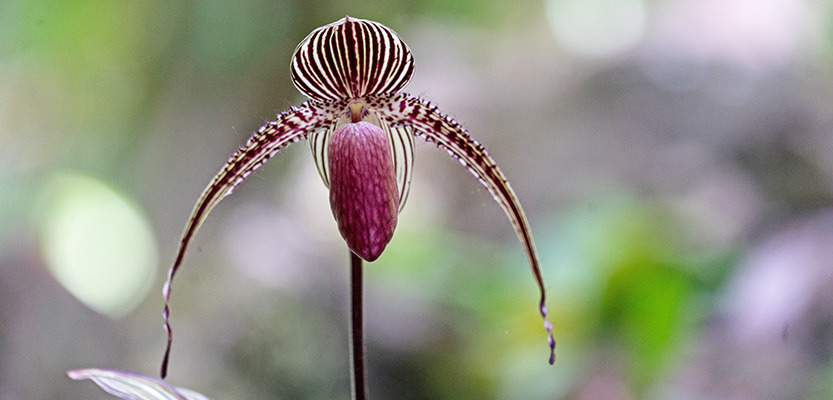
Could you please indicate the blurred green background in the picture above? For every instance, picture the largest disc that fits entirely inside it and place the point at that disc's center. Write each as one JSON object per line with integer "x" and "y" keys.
{"x": 675, "y": 159}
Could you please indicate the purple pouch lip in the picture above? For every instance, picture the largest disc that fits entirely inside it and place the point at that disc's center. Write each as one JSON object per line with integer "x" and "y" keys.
{"x": 364, "y": 196}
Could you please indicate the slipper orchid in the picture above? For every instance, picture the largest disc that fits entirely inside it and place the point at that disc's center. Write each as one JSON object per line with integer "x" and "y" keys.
{"x": 361, "y": 130}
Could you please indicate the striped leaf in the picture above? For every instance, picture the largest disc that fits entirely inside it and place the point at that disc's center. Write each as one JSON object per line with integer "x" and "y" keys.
{"x": 349, "y": 59}
{"x": 290, "y": 126}
{"x": 133, "y": 386}
{"x": 404, "y": 110}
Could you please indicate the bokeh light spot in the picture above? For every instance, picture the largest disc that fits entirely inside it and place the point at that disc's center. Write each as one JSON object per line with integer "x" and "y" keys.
{"x": 597, "y": 28}
{"x": 97, "y": 245}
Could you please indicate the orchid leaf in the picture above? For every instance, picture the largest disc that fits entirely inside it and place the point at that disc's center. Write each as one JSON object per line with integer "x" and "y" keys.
{"x": 133, "y": 386}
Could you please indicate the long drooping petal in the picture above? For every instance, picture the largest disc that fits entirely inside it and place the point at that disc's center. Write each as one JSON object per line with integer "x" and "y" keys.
{"x": 290, "y": 126}
{"x": 427, "y": 121}
{"x": 349, "y": 59}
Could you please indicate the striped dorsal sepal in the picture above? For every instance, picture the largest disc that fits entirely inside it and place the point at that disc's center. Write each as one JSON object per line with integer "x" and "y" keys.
{"x": 404, "y": 110}
{"x": 290, "y": 127}
{"x": 349, "y": 59}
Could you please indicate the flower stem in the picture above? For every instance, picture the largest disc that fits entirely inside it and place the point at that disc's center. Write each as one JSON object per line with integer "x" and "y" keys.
{"x": 357, "y": 361}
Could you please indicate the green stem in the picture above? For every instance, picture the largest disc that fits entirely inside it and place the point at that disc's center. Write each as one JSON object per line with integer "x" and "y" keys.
{"x": 357, "y": 361}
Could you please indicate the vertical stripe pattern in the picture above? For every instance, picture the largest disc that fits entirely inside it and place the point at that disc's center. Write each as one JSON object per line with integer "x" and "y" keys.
{"x": 318, "y": 144}
{"x": 402, "y": 150}
{"x": 349, "y": 59}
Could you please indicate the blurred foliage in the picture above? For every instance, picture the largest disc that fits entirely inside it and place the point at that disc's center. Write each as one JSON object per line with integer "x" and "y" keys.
{"x": 672, "y": 157}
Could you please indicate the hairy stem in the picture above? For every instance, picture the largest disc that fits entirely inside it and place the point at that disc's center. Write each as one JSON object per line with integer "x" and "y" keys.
{"x": 357, "y": 361}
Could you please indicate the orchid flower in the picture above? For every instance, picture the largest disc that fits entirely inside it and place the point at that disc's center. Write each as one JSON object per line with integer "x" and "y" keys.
{"x": 361, "y": 130}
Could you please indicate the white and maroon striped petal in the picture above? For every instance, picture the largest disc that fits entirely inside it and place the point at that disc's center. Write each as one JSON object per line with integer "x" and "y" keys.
{"x": 427, "y": 121}
{"x": 290, "y": 127}
{"x": 401, "y": 140}
{"x": 318, "y": 145}
{"x": 349, "y": 59}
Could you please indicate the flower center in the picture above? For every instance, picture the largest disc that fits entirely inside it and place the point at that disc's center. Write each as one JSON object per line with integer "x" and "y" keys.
{"x": 357, "y": 111}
